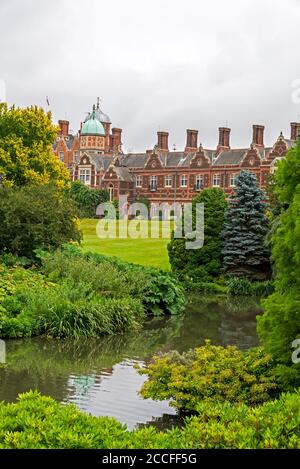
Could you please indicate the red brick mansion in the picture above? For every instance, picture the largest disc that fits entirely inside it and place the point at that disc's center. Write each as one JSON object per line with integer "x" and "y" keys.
{"x": 95, "y": 157}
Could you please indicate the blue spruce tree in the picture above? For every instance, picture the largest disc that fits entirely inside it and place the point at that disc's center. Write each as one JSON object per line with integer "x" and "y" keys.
{"x": 245, "y": 228}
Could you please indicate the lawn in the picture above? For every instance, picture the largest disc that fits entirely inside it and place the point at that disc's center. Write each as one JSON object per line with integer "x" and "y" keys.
{"x": 146, "y": 250}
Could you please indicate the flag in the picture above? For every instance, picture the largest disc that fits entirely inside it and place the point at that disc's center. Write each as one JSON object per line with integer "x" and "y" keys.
{"x": 47, "y": 101}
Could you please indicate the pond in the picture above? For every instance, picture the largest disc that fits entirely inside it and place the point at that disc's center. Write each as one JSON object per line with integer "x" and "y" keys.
{"x": 99, "y": 376}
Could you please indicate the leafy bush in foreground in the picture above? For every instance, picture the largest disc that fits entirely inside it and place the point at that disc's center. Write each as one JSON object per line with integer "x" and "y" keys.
{"x": 36, "y": 421}
{"x": 210, "y": 372}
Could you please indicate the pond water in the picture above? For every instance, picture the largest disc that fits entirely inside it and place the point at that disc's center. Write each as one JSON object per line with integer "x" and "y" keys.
{"x": 99, "y": 376}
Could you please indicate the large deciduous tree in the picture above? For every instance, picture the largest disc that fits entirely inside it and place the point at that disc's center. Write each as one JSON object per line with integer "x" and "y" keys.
{"x": 280, "y": 324}
{"x": 245, "y": 228}
{"x": 36, "y": 217}
{"x": 26, "y": 155}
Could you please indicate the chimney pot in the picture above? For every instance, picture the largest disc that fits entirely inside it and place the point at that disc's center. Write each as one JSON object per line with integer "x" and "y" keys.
{"x": 224, "y": 138}
{"x": 162, "y": 141}
{"x": 191, "y": 140}
{"x": 258, "y": 135}
{"x": 64, "y": 127}
{"x": 295, "y": 130}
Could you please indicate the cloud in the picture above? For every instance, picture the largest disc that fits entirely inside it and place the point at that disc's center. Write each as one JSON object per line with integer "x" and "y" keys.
{"x": 168, "y": 65}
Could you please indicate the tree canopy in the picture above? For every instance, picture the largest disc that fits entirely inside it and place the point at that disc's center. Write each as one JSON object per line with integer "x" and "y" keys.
{"x": 245, "y": 228}
{"x": 205, "y": 263}
{"x": 36, "y": 217}
{"x": 26, "y": 155}
{"x": 280, "y": 324}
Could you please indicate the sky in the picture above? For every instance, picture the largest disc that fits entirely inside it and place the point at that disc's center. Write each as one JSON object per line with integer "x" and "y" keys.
{"x": 157, "y": 65}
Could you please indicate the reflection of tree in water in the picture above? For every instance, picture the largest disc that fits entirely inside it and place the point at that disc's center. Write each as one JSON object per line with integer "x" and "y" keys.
{"x": 50, "y": 365}
{"x": 238, "y": 322}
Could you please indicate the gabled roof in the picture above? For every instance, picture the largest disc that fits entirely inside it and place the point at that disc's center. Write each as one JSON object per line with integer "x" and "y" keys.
{"x": 124, "y": 173}
{"x": 231, "y": 156}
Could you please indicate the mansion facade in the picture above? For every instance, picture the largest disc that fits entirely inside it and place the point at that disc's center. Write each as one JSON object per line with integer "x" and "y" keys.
{"x": 95, "y": 157}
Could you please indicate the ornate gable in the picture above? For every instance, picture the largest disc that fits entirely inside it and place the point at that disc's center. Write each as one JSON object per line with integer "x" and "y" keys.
{"x": 110, "y": 174}
{"x": 251, "y": 158}
{"x": 199, "y": 160}
{"x": 279, "y": 149}
{"x": 153, "y": 162}
{"x": 84, "y": 160}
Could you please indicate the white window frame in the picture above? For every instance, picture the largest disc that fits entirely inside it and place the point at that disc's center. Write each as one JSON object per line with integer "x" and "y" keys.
{"x": 153, "y": 182}
{"x": 62, "y": 156}
{"x": 138, "y": 181}
{"x": 183, "y": 180}
{"x": 199, "y": 181}
{"x": 168, "y": 181}
{"x": 232, "y": 181}
{"x": 217, "y": 177}
{"x": 85, "y": 175}
{"x": 111, "y": 192}
{"x": 76, "y": 156}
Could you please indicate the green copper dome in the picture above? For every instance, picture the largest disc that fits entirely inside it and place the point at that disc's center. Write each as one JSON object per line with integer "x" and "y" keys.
{"x": 92, "y": 126}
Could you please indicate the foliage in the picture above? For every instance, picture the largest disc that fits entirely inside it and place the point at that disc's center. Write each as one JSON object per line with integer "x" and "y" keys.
{"x": 36, "y": 421}
{"x": 35, "y": 217}
{"x": 201, "y": 265}
{"x": 143, "y": 199}
{"x": 210, "y": 372}
{"x": 83, "y": 295}
{"x": 64, "y": 312}
{"x": 280, "y": 324}
{"x": 26, "y": 155}
{"x": 243, "y": 286}
{"x": 245, "y": 228}
{"x": 87, "y": 199}
{"x": 159, "y": 292}
{"x": 205, "y": 287}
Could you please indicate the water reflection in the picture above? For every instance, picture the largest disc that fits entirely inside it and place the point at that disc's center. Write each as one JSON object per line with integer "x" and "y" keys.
{"x": 98, "y": 374}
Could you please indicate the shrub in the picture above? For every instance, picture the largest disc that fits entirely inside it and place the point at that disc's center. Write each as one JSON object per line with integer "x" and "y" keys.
{"x": 243, "y": 286}
{"x": 204, "y": 287}
{"x": 158, "y": 291}
{"x": 87, "y": 199}
{"x": 83, "y": 295}
{"x": 35, "y": 217}
{"x": 36, "y": 421}
{"x": 62, "y": 312}
{"x": 210, "y": 372}
{"x": 204, "y": 264}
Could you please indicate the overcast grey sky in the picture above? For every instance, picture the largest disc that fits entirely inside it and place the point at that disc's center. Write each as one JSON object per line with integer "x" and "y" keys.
{"x": 159, "y": 64}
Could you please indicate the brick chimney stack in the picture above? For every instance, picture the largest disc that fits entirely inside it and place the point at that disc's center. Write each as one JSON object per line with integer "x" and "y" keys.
{"x": 224, "y": 139}
{"x": 64, "y": 127}
{"x": 162, "y": 141}
{"x": 191, "y": 140}
{"x": 258, "y": 135}
{"x": 116, "y": 138}
{"x": 295, "y": 130}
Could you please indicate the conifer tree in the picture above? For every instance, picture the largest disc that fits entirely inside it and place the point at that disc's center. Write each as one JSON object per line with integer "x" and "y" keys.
{"x": 245, "y": 228}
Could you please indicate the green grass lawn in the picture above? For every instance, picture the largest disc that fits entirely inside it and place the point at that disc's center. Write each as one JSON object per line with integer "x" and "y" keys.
{"x": 148, "y": 251}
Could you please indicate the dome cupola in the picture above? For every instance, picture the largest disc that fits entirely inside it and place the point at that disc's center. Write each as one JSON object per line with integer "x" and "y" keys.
{"x": 92, "y": 125}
